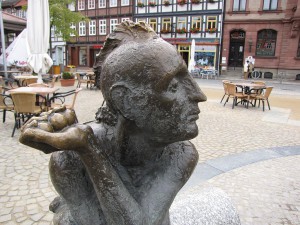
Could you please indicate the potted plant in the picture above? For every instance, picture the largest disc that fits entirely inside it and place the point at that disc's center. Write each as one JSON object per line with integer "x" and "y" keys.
{"x": 67, "y": 79}
{"x": 181, "y": 2}
{"x": 165, "y": 31}
{"x": 166, "y": 2}
{"x": 181, "y": 30}
{"x": 140, "y": 4}
{"x": 195, "y": 30}
{"x": 211, "y": 30}
{"x": 211, "y": 1}
{"x": 195, "y": 1}
{"x": 152, "y": 4}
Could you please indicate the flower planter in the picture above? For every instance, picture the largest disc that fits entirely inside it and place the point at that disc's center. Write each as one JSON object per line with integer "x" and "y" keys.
{"x": 67, "y": 82}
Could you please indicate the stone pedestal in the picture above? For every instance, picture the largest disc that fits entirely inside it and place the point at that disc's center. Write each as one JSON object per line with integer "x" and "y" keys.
{"x": 209, "y": 205}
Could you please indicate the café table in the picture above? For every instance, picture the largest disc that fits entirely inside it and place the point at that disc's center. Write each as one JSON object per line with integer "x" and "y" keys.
{"x": 250, "y": 89}
{"x": 45, "y": 91}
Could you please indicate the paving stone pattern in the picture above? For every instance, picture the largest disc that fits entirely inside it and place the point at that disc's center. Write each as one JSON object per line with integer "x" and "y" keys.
{"x": 264, "y": 193}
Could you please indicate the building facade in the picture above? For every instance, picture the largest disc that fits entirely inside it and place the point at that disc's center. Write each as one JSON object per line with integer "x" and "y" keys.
{"x": 267, "y": 30}
{"x": 178, "y": 22}
{"x": 103, "y": 17}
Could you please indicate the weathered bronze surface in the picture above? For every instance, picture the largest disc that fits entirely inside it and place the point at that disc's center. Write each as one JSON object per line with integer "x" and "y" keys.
{"x": 126, "y": 167}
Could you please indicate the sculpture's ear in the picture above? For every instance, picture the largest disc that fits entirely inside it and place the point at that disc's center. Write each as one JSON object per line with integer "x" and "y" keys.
{"x": 121, "y": 99}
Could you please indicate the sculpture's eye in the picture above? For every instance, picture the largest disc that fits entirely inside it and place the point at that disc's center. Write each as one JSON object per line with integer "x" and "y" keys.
{"x": 173, "y": 86}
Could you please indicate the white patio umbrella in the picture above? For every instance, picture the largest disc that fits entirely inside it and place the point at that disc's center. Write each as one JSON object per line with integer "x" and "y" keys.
{"x": 38, "y": 31}
{"x": 192, "y": 59}
{"x": 18, "y": 51}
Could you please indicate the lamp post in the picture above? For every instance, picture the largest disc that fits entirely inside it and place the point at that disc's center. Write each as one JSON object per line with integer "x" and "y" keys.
{"x": 3, "y": 40}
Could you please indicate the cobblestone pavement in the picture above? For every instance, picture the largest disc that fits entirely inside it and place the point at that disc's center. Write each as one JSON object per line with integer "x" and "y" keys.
{"x": 264, "y": 193}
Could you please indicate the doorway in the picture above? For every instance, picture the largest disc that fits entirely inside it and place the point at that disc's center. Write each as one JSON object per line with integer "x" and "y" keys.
{"x": 236, "y": 49}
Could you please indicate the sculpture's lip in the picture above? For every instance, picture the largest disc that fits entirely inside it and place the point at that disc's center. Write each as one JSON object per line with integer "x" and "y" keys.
{"x": 193, "y": 117}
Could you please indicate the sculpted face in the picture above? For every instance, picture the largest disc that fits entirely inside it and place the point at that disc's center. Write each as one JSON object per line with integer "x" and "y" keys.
{"x": 164, "y": 101}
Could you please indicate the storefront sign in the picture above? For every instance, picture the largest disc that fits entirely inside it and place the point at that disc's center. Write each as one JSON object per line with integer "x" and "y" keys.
{"x": 97, "y": 46}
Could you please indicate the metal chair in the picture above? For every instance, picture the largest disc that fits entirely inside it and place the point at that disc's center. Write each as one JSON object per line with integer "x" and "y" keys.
{"x": 232, "y": 93}
{"x": 26, "y": 105}
{"x": 225, "y": 89}
{"x": 264, "y": 97}
{"x": 6, "y": 103}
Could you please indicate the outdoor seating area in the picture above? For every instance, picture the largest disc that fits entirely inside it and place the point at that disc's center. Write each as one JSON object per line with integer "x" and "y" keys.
{"x": 33, "y": 99}
{"x": 205, "y": 73}
{"x": 247, "y": 93}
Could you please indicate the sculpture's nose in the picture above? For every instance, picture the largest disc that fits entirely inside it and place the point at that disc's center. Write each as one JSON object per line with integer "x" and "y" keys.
{"x": 196, "y": 94}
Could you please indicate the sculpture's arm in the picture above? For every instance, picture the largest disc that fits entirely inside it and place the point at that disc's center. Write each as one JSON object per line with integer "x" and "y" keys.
{"x": 119, "y": 207}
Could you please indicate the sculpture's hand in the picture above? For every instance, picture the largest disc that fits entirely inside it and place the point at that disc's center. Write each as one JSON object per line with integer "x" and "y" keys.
{"x": 56, "y": 130}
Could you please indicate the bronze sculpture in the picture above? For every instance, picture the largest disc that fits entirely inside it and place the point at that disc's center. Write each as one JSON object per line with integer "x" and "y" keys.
{"x": 127, "y": 167}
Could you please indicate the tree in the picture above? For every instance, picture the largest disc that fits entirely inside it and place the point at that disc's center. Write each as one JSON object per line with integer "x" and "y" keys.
{"x": 61, "y": 18}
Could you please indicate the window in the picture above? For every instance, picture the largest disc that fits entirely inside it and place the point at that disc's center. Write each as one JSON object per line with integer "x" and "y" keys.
{"x": 211, "y": 22}
{"x": 153, "y": 23}
{"x": 21, "y": 13}
{"x": 181, "y": 23}
{"x": 102, "y": 27}
{"x": 73, "y": 27}
{"x": 266, "y": 42}
{"x": 196, "y": 23}
{"x": 81, "y": 4}
{"x": 141, "y": 20}
{"x": 92, "y": 27}
{"x": 125, "y": 19}
{"x": 102, "y": 3}
{"x": 82, "y": 31}
{"x": 125, "y": 2}
{"x": 239, "y": 5}
{"x": 270, "y": 4}
{"x": 91, "y": 4}
{"x": 82, "y": 56}
{"x": 113, "y": 23}
{"x": 166, "y": 24}
{"x": 113, "y": 3}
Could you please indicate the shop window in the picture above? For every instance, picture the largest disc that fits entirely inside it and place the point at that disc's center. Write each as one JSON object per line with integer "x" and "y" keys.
{"x": 298, "y": 51}
{"x": 73, "y": 27}
{"x": 196, "y": 23}
{"x": 113, "y": 3}
{"x": 239, "y": 5}
{"x": 82, "y": 56}
{"x": 102, "y": 27}
{"x": 91, "y": 4}
{"x": 82, "y": 30}
{"x": 270, "y": 4}
{"x": 92, "y": 27}
{"x": 125, "y": 2}
{"x": 102, "y": 3}
{"x": 266, "y": 42}
{"x": 153, "y": 23}
{"x": 205, "y": 56}
{"x": 113, "y": 24}
{"x": 81, "y": 4}
{"x": 211, "y": 22}
{"x": 166, "y": 25}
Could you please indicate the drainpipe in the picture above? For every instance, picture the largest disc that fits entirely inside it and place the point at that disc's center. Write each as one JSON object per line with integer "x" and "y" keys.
{"x": 221, "y": 37}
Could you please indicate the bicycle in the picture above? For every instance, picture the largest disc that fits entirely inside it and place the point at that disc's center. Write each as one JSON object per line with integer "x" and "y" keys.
{"x": 255, "y": 74}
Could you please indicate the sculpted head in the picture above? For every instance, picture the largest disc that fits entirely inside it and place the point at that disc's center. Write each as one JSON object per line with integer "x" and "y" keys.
{"x": 145, "y": 80}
